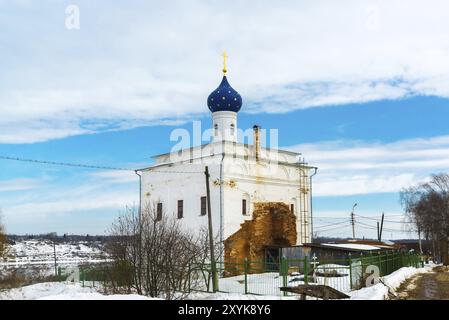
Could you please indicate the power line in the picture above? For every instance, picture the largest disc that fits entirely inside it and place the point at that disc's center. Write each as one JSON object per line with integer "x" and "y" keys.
{"x": 334, "y": 228}
{"x": 391, "y": 221}
{"x": 65, "y": 164}
{"x": 332, "y": 224}
{"x": 367, "y": 226}
{"x": 88, "y": 166}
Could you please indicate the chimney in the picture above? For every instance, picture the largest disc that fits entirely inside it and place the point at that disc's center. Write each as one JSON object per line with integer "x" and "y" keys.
{"x": 256, "y": 142}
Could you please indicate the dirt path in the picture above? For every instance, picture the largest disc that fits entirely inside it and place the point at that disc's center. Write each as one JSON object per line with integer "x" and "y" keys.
{"x": 426, "y": 286}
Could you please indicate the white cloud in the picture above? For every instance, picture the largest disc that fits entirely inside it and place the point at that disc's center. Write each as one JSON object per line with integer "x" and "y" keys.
{"x": 355, "y": 167}
{"x": 97, "y": 198}
{"x": 100, "y": 200}
{"x": 111, "y": 176}
{"x": 19, "y": 184}
{"x": 151, "y": 62}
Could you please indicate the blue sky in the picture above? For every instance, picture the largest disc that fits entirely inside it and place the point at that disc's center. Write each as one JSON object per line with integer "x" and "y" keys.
{"x": 361, "y": 88}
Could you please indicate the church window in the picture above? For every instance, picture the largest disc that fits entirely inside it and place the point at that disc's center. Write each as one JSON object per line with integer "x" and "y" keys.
{"x": 180, "y": 209}
{"x": 203, "y": 206}
{"x": 216, "y": 129}
{"x": 159, "y": 212}
{"x": 292, "y": 208}
{"x": 232, "y": 129}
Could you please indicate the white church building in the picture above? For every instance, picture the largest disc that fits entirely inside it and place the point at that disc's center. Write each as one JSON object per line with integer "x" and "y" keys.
{"x": 265, "y": 191}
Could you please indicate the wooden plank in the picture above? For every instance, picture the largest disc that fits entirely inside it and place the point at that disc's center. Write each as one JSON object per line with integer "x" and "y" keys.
{"x": 317, "y": 291}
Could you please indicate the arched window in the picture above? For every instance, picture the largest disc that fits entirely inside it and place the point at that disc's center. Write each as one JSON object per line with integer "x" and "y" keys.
{"x": 232, "y": 129}
{"x": 216, "y": 129}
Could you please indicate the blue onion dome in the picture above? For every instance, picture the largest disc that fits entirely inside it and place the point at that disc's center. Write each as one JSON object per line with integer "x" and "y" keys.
{"x": 224, "y": 98}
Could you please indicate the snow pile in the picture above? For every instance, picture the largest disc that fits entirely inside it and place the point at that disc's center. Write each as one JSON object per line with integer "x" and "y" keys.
{"x": 395, "y": 279}
{"x": 388, "y": 283}
{"x": 62, "y": 291}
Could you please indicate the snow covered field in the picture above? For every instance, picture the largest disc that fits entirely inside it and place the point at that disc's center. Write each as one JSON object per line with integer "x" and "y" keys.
{"x": 36, "y": 257}
{"x": 42, "y": 252}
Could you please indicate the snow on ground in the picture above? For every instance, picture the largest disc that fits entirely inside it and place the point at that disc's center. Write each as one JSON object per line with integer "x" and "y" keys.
{"x": 268, "y": 283}
{"x": 389, "y": 282}
{"x": 235, "y": 296}
{"x": 62, "y": 291}
{"x": 74, "y": 291}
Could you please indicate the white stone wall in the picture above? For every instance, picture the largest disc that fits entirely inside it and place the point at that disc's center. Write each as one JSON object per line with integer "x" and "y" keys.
{"x": 180, "y": 177}
{"x": 167, "y": 186}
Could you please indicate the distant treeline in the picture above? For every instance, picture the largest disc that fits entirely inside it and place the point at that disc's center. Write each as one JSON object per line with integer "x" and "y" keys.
{"x": 58, "y": 238}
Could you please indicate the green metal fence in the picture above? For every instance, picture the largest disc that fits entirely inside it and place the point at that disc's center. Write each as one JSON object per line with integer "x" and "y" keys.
{"x": 266, "y": 278}
{"x": 261, "y": 278}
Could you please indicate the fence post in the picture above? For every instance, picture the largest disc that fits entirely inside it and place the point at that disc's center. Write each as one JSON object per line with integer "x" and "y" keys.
{"x": 387, "y": 258}
{"x": 246, "y": 275}
{"x": 395, "y": 261}
{"x": 350, "y": 270}
{"x": 306, "y": 271}
{"x": 362, "y": 264}
{"x": 284, "y": 272}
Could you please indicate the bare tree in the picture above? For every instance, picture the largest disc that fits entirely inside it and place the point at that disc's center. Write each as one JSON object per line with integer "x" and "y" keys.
{"x": 155, "y": 256}
{"x": 427, "y": 206}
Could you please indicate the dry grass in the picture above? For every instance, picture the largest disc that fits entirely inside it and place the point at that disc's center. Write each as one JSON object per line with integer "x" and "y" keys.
{"x": 17, "y": 279}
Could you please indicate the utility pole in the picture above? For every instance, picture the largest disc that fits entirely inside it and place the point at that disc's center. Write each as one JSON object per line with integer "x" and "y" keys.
{"x": 211, "y": 238}
{"x": 353, "y": 221}
{"x": 54, "y": 253}
{"x": 381, "y": 227}
{"x": 378, "y": 231}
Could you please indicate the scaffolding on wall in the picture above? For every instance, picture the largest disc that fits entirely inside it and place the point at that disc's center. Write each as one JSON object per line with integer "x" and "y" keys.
{"x": 304, "y": 210}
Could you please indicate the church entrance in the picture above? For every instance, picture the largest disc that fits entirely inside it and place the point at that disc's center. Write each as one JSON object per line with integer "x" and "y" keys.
{"x": 272, "y": 258}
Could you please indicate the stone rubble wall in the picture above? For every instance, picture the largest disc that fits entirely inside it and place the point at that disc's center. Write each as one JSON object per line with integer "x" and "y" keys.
{"x": 273, "y": 225}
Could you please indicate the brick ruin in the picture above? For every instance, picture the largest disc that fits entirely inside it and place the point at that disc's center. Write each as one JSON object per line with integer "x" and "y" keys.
{"x": 273, "y": 225}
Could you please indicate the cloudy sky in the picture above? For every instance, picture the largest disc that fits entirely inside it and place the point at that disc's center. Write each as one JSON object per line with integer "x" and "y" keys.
{"x": 359, "y": 87}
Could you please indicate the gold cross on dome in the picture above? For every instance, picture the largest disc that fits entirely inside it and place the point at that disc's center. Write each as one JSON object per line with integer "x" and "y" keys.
{"x": 225, "y": 56}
